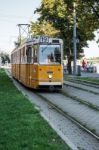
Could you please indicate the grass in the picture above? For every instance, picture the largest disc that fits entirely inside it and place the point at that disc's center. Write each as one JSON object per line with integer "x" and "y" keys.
{"x": 21, "y": 126}
{"x": 88, "y": 79}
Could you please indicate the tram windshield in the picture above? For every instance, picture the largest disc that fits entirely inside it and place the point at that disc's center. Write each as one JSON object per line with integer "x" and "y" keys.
{"x": 50, "y": 54}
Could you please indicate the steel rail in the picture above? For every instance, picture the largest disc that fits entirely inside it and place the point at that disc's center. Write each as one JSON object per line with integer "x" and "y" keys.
{"x": 87, "y": 83}
{"x": 80, "y": 88}
{"x": 66, "y": 115}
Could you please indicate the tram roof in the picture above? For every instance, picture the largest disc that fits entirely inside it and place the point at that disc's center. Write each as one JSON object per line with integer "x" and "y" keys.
{"x": 43, "y": 39}
{"x": 39, "y": 40}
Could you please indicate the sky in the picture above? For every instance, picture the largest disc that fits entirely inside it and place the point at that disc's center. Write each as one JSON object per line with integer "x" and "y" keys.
{"x": 13, "y": 12}
{"x": 93, "y": 48}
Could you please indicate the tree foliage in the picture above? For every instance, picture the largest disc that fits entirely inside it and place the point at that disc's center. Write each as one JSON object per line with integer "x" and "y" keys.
{"x": 43, "y": 28}
{"x": 60, "y": 14}
{"x": 4, "y": 57}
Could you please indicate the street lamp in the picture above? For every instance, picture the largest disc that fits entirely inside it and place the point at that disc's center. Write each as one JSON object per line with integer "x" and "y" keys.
{"x": 74, "y": 41}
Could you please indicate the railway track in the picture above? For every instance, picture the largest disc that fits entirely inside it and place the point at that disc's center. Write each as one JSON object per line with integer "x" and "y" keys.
{"x": 68, "y": 116}
{"x": 83, "y": 82}
{"x": 86, "y": 94}
{"x": 71, "y": 130}
{"x": 78, "y": 111}
{"x": 83, "y": 87}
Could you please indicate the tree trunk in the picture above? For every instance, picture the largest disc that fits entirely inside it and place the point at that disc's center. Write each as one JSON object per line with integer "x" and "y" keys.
{"x": 69, "y": 63}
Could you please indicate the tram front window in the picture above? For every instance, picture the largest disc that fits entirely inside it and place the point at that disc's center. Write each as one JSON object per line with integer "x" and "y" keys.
{"x": 49, "y": 54}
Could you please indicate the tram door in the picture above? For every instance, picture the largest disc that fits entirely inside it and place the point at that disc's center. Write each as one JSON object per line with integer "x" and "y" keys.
{"x": 34, "y": 68}
{"x": 28, "y": 67}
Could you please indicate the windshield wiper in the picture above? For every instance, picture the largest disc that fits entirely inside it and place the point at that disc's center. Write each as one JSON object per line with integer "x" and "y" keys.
{"x": 44, "y": 49}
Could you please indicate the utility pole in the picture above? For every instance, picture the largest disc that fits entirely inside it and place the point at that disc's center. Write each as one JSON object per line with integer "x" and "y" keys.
{"x": 23, "y": 28}
{"x": 74, "y": 41}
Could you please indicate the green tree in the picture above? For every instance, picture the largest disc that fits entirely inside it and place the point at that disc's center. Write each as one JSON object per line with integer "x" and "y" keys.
{"x": 60, "y": 14}
{"x": 5, "y": 57}
{"x": 43, "y": 28}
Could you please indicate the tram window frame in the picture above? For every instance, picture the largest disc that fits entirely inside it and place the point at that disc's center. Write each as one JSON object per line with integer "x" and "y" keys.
{"x": 52, "y": 57}
{"x": 29, "y": 54}
{"x": 57, "y": 52}
{"x": 12, "y": 58}
{"x": 19, "y": 50}
{"x": 19, "y": 56}
{"x": 35, "y": 53}
{"x": 23, "y": 54}
{"x": 15, "y": 57}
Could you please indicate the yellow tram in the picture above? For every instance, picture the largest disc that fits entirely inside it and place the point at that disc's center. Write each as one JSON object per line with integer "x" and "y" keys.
{"x": 37, "y": 63}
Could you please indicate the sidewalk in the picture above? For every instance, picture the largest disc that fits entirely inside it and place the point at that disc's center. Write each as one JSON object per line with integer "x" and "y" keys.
{"x": 84, "y": 74}
{"x": 87, "y": 74}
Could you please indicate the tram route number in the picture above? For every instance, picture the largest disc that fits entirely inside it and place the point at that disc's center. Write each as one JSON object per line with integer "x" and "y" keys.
{"x": 44, "y": 39}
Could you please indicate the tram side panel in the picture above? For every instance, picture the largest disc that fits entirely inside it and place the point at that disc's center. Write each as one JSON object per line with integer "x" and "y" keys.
{"x": 17, "y": 71}
{"x": 23, "y": 74}
{"x": 28, "y": 76}
{"x": 33, "y": 76}
{"x": 12, "y": 70}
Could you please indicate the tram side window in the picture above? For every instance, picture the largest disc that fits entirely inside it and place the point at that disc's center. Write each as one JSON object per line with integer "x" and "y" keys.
{"x": 23, "y": 55}
{"x": 29, "y": 54}
{"x": 15, "y": 57}
{"x": 11, "y": 58}
{"x": 57, "y": 55}
{"x": 35, "y": 55}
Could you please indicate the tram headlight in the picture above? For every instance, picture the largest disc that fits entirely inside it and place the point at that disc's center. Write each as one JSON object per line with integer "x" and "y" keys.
{"x": 50, "y": 76}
